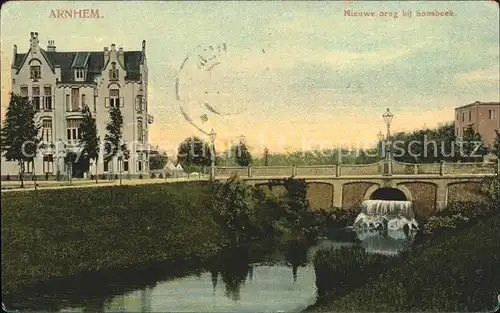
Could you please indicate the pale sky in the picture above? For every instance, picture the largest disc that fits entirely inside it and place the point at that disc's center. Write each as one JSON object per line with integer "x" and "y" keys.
{"x": 299, "y": 75}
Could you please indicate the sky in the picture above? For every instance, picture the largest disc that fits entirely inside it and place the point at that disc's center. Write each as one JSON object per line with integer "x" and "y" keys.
{"x": 289, "y": 76}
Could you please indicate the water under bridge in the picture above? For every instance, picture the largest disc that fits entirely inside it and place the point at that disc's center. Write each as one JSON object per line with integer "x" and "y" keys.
{"x": 429, "y": 186}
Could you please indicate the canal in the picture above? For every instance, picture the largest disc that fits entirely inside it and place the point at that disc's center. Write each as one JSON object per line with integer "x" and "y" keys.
{"x": 258, "y": 278}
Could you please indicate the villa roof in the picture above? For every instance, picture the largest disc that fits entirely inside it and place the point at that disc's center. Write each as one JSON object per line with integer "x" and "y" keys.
{"x": 93, "y": 60}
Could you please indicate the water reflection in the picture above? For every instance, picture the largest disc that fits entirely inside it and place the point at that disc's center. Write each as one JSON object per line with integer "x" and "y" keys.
{"x": 296, "y": 256}
{"x": 237, "y": 280}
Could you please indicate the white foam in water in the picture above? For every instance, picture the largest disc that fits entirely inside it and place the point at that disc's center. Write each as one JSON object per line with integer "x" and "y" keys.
{"x": 383, "y": 214}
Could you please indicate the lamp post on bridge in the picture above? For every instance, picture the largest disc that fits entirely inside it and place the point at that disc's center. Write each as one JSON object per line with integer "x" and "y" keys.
{"x": 388, "y": 116}
{"x": 212, "y": 136}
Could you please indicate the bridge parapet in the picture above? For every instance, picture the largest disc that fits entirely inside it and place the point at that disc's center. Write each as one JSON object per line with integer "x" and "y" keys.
{"x": 375, "y": 169}
{"x": 362, "y": 169}
{"x": 285, "y": 171}
{"x": 228, "y": 171}
{"x": 469, "y": 168}
{"x": 323, "y": 170}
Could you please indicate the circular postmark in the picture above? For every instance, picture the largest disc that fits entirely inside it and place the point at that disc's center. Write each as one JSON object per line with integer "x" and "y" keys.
{"x": 216, "y": 83}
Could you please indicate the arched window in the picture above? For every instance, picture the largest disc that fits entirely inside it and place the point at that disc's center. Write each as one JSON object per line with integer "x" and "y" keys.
{"x": 113, "y": 72}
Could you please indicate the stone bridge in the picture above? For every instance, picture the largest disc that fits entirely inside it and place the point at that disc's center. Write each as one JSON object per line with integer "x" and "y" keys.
{"x": 429, "y": 186}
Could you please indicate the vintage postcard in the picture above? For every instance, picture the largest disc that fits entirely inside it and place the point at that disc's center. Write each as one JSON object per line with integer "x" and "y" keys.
{"x": 250, "y": 156}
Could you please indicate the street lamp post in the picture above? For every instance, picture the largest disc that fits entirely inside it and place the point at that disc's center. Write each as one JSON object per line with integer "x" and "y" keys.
{"x": 388, "y": 116}
{"x": 120, "y": 160}
{"x": 212, "y": 167}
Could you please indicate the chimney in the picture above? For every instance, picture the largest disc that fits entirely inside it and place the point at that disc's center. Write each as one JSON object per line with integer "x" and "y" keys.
{"x": 121, "y": 57}
{"x": 34, "y": 40}
{"x": 15, "y": 51}
{"x": 106, "y": 55}
{"x": 113, "y": 47}
{"x": 143, "y": 46}
{"x": 51, "y": 46}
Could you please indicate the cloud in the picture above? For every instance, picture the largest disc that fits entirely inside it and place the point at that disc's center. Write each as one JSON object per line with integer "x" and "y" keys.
{"x": 478, "y": 76}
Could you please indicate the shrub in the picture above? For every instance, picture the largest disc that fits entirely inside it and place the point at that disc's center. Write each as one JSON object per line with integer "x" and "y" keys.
{"x": 7, "y": 178}
{"x": 340, "y": 270}
{"x": 153, "y": 175}
{"x": 140, "y": 176}
{"x": 116, "y": 176}
{"x": 161, "y": 175}
{"x": 46, "y": 176}
{"x": 102, "y": 176}
{"x": 439, "y": 224}
{"x": 92, "y": 177}
{"x": 233, "y": 207}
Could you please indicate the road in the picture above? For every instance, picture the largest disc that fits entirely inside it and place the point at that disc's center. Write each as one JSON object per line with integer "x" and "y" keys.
{"x": 10, "y": 186}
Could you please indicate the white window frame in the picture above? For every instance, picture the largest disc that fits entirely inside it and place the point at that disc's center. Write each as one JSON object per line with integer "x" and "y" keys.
{"x": 47, "y": 130}
{"x": 48, "y": 165}
{"x": 47, "y": 98}
{"x": 73, "y": 133}
{"x": 34, "y": 74}
{"x": 35, "y": 97}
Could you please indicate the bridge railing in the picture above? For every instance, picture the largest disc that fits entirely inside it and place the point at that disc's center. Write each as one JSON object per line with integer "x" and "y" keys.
{"x": 281, "y": 171}
{"x": 316, "y": 170}
{"x": 343, "y": 170}
{"x": 229, "y": 171}
{"x": 361, "y": 169}
{"x": 469, "y": 168}
{"x": 401, "y": 168}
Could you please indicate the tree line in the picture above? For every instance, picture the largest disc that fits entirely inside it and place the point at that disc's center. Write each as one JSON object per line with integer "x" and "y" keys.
{"x": 430, "y": 145}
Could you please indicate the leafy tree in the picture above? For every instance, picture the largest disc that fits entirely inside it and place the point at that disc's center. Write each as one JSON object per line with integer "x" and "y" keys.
{"x": 90, "y": 140}
{"x": 194, "y": 151}
{"x": 242, "y": 155}
{"x": 158, "y": 161}
{"x": 233, "y": 206}
{"x": 113, "y": 139}
{"x": 20, "y": 133}
{"x": 496, "y": 146}
{"x": 471, "y": 147}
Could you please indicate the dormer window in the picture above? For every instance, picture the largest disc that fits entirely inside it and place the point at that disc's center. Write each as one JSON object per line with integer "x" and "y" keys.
{"x": 35, "y": 72}
{"x": 113, "y": 72}
{"x": 80, "y": 73}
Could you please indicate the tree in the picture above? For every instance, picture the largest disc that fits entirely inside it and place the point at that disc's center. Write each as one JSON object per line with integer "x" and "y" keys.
{"x": 158, "y": 161}
{"x": 194, "y": 152}
{"x": 20, "y": 133}
{"x": 242, "y": 155}
{"x": 496, "y": 145}
{"x": 113, "y": 139}
{"x": 471, "y": 147}
{"x": 90, "y": 140}
{"x": 266, "y": 156}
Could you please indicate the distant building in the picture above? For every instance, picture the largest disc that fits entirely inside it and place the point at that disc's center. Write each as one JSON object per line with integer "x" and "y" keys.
{"x": 484, "y": 117}
{"x": 61, "y": 84}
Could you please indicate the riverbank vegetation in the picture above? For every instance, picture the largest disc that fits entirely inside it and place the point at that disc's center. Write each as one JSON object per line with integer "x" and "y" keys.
{"x": 59, "y": 233}
{"x": 454, "y": 266}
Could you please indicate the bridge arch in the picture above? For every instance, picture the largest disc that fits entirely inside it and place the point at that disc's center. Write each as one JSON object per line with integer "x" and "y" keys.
{"x": 399, "y": 192}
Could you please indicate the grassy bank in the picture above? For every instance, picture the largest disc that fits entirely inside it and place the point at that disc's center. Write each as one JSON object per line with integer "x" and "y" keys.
{"x": 57, "y": 233}
{"x": 456, "y": 272}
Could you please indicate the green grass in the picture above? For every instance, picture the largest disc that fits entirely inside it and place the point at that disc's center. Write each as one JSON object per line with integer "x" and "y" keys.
{"x": 459, "y": 271}
{"x": 57, "y": 233}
